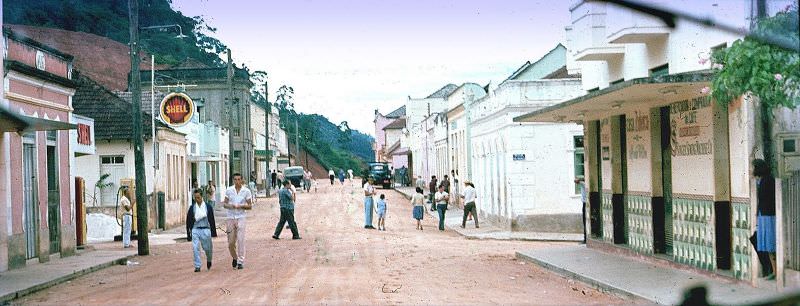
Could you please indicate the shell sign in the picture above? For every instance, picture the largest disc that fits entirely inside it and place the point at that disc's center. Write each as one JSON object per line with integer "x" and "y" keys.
{"x": 177, "y": 109}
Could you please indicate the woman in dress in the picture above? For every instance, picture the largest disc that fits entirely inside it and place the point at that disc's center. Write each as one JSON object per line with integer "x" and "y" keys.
{"x": 765, "y": 222}
{"x": 418, "y": 201}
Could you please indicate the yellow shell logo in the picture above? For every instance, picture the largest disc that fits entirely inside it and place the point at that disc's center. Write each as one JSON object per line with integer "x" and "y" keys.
{"x": 177, "y": 109}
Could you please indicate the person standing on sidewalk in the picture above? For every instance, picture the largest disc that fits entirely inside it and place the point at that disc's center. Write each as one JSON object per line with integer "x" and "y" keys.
{"x": 446, "y": 184}
{"x": 238, "y": 200}
{"x": 582, "y": 186}
{"x": 765, "y": 222}
{"x": 274, "y": 179}
{"x": 469, "y": 196}
{"x": 200, "y": 227}
{"x": 432, "y": 191}
{"x": 420, "y": 183}
{"x": 418, "y": 201}
{"x": 211, "y": 193}
{"x": 286, "y": 197}
{"x": 441, "y": 197}
{"x": 369, "y": 191}
{"x": 127, "y": 218}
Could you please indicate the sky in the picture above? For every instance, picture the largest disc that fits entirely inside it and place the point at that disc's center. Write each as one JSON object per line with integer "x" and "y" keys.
{"x": 345, "y": 59}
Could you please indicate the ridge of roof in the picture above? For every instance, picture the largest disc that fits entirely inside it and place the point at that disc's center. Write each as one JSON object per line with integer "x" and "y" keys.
{"x": 443, "y": 92}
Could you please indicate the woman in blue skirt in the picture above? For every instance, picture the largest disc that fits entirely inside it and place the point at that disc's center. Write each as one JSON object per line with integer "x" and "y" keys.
{"x": 418, "y": 201}
{"x": 765, "y": 222}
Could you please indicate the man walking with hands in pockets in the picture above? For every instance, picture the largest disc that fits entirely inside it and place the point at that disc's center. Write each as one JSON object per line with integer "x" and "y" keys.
{"x": 238, "y": 200}
{"x": 287, "y": 196}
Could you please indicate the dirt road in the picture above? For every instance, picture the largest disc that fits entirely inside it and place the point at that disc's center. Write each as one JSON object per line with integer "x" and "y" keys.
{"x": 336, "y": 262}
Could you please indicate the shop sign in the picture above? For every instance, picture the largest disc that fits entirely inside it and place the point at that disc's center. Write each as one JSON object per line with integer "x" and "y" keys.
{"x": 519, "y": 156}
{"x": 176, "y": 109}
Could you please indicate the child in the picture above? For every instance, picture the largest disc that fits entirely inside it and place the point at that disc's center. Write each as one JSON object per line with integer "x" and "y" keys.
{"x": 381, "y": 210}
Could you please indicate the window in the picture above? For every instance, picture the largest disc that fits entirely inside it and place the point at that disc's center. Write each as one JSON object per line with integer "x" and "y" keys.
{"x": 236, "y": 131}
{"x": 660, "y": 70}
{"x": 112, "y": 160}
{"x": 237, "y": 154}
{"x": 579, "y": 171}
{"x": 194, "y": 148}
{"x": 789, "y": 146}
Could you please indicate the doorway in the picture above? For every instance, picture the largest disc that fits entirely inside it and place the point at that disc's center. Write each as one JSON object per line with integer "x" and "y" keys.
{"x": 619, "y": 216}
{"x": 53, "y": 194}
{"x": 30, "y": 211}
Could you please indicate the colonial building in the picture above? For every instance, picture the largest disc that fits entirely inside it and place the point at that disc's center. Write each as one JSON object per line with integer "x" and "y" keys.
{"x": 388, "y": 132}
{"x": 114, "y": 164}
{"x": 667, "y": 168}
{"x": 37, "y": 215}
{"x": 420, "y": 124}
{"x": 209, "y": 88}
{"x": 524, "y": 172}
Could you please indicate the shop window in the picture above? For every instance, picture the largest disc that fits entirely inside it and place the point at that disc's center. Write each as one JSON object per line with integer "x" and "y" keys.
{"x": 579, "y": 154}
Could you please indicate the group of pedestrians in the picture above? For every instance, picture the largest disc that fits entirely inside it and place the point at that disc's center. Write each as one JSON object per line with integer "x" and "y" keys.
{"x": 201, "y": 224}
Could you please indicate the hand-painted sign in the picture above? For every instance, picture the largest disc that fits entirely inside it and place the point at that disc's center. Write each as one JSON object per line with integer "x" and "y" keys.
{"x": 690, "y": 124}
{"x": 177, "y": 109}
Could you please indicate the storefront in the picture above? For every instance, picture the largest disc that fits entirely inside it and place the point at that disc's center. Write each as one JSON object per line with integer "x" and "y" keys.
{"x": 668, "y": 170}
{"x": 37, "y": 213}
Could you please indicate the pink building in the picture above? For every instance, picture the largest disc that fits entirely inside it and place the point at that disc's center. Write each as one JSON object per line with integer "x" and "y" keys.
{"x": 381, "y": 145}
{"x": 37, "y": 218}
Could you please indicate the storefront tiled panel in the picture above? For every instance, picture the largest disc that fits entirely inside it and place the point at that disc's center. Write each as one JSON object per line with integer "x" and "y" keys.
{"x": 741, "y": 240}
{"x": 694, "y": 233}
{"x": 608, "y": 223}
{"x": 640, "y": 223}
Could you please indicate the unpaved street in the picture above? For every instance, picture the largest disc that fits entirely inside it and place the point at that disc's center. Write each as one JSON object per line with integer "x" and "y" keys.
{"x": 336, "y": 262}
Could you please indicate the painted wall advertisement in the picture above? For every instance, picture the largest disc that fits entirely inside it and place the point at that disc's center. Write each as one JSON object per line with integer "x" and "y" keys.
{"x": 691, "y": 142}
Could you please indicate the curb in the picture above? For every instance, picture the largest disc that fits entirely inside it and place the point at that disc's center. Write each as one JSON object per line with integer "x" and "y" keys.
{"x": 489, "y": 238}
{"x": 6, "y": 299}
{"x": 603, "y": 287}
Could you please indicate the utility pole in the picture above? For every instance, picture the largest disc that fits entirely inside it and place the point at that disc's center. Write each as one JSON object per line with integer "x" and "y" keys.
{"x": 296, "y": 141}
{"x": 267, "y": 111}
{"x": 138, "y": 143}
{"x": 229, "y": 110}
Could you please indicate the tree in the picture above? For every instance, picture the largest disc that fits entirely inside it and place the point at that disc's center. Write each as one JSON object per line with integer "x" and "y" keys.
{"x": 768, "y": 72}
{"x": 344, "y": 132}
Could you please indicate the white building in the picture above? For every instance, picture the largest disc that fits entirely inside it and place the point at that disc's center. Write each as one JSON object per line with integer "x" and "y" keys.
{"x": 524, "y": 172}
{"x": 420, "y": 124}
{"x": 668, "y": 169}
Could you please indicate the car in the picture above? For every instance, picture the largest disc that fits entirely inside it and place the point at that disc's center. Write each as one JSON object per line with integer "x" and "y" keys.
{"x": 294, "y": 174}
{"x": 380, "y": 174}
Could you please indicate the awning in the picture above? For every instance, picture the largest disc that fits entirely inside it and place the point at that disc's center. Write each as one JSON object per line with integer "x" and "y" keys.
{"x": 10, "y": 122}
{"x": 652, "y": 91}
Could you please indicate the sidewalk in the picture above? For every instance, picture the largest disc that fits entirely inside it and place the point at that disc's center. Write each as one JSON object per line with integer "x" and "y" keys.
{"x": 39, "y": 276}
{"x": 633, "y": 278}
{"x": 488, "y": 231}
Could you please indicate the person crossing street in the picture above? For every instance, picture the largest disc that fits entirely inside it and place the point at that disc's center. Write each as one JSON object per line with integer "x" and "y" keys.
{"x": 287, "y": 197}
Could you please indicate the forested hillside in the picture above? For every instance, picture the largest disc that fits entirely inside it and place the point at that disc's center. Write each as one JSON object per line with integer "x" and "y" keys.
{"x": 334, "y": 145}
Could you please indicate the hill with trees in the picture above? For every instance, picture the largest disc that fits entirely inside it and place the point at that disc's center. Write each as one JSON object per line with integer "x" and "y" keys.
{"x": 334, "y": 145}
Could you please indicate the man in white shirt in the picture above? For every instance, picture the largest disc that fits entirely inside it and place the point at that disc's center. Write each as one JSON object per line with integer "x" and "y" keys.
{"x": 238, "y": 200}
{"x": 441, "y": 197}
{"x": 127, "y": 218}
{"x": 369, "y": 191}
{"x": 469, "y": 196}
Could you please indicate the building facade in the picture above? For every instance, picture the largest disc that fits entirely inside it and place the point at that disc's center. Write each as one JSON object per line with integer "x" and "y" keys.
{"x": 525, "y": 172}
{"x": 37, "y": 215}
{"x": 668, "y": 169}
{"x": 208, "y": 87}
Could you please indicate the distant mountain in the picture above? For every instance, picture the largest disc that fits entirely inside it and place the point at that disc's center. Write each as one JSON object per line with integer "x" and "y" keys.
{"x": 360, "y": 144}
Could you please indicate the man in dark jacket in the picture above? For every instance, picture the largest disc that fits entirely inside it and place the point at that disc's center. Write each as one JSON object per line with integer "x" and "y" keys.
{"x": 200, "y": 227}
{"x": 432, "y": 186}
